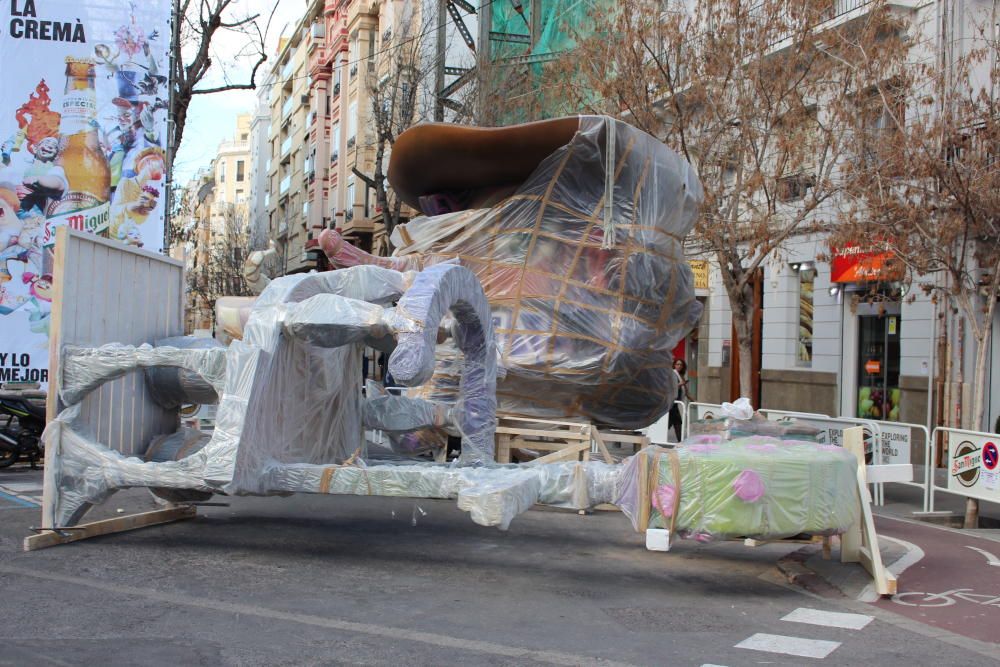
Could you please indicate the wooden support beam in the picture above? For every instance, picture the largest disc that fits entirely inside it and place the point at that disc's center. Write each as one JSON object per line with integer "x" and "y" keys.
{"x": 117, "y": 524}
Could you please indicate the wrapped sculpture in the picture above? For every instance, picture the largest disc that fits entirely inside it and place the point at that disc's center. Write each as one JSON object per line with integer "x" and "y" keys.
{"x": 575, "y": 229}
{"x": 758, "y": 487}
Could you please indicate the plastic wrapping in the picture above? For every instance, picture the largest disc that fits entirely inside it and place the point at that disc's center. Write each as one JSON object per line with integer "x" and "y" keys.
{"x": 231, "y": 316}
{"x": 728, "y": 428}
{"x": 589, "y": 287}
{"x": 756, "y": 487}
{"x": 85, "y": 369}
{"x": 172, "y": 386}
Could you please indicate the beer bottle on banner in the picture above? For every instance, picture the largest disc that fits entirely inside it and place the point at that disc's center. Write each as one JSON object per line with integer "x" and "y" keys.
{"x": 82, "y": 160}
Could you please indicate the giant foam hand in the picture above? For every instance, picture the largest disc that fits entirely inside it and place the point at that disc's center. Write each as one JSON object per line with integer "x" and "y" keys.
{"x": 575, "y": 229}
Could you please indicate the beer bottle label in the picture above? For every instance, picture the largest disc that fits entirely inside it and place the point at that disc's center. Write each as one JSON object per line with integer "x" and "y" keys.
{"x": 79, "y": 108}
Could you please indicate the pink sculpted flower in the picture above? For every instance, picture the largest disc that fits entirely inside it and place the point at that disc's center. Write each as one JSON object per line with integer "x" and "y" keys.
{"x": 663, "y": 499}
{"x": 749, "y": 487}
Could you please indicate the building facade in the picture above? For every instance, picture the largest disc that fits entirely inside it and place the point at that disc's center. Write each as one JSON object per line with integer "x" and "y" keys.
{"x": 832, "y": 340}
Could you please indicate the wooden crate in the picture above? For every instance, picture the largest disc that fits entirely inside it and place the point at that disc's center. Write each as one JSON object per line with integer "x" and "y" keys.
{"x": 564, "y": 440}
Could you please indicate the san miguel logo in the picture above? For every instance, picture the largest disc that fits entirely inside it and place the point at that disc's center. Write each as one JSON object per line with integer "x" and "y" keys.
{"x": 965, "y": 463}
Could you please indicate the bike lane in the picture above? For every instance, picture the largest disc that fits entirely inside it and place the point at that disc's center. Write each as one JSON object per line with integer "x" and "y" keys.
{"x": 952, "y": 587}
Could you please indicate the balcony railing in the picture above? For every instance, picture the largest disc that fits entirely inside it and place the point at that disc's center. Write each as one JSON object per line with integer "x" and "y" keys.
{"x": 287, "y": 70}
{"x": 309, "y": 168}
{"x": 287, "y": 107}
{"x": 285, "y": 184}
{"x": 286, "y": 146}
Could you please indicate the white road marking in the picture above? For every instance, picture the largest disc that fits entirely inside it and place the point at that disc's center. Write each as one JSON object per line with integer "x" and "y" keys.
{"x": 22, "y": 486}
{"x": 990, "y": 558}
{"x": 33, "y": 499}
{"x": 798, "y": 646}
{"x": 830, "y": 619}
{"x": 914, "y": 554}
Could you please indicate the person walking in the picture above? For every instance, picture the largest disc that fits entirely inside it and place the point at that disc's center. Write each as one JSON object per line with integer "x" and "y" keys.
{"x": 675, "y": 421}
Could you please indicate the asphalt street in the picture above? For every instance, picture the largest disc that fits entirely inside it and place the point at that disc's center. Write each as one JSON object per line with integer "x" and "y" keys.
{"x": 328, "y": 580}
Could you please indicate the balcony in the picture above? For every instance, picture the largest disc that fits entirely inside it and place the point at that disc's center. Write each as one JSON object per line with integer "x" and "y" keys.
{"x": 286, "y": 108}
{"x": 267, "y": 199}
{"x": 286, "y": 146}
{"x": 288, "y": 69}
{"x": 334, "y": 156}
{"x": 285, "y": 184}
{"x": 353, "y": 225}
{"x": 309, "y": 166}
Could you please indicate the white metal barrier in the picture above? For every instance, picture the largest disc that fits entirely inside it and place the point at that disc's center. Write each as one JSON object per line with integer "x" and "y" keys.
{"x": 973, "y": 465}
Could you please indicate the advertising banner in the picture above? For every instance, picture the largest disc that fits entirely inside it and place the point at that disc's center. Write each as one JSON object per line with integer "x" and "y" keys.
{"x": 974, "y": 465}
{"x": 82, "y": 143}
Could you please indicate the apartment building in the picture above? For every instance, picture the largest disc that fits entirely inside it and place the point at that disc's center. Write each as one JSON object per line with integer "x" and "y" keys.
{"x": 317, "y": 133}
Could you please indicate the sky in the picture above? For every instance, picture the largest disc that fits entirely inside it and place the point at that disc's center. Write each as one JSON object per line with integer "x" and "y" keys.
{"x": 212, "y": 118}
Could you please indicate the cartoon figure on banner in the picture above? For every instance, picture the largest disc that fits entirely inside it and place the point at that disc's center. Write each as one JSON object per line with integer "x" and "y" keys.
{"x": 137, "y": 196}
{"x": 43, "y": 180}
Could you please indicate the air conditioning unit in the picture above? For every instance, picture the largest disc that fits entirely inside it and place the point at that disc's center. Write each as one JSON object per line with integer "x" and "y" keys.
{"x": 304, "y": 99}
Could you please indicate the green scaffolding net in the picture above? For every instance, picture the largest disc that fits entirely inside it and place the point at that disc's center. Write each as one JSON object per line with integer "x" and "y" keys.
{"x": 522, "y": 45}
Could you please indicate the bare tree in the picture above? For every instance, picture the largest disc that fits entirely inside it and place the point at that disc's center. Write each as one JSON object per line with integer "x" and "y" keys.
{"x": 198, "y": 27}
{"x": 401, "y": 88}
{"x": 927, "y": 178}
{"x": 220, "y": 245}
{"x": 754, "y": 96}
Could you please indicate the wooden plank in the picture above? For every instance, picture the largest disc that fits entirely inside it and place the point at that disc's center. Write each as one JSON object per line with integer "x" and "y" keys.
{"x": 602, "y": 447}
{"x": 850, "y": 541}
{"x": 568, "y": 453}
{"x": 117, "y": 524}
{"x": 568, "y": 435}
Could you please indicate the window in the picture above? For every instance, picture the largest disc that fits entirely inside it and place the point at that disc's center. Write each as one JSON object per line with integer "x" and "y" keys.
{"x": 352, "y": 121}
{"x": 335, "y": 142}
{"x": 793, "y": 188}
{"x": 239, "y": 171}
{"x": 333, "y": 200}
{"x": 244, "y": 136}
{"x": 349, "y": 202}
{"x": 222, "y": 171}
{"x": 240, "y": 198}
{"x": 807, "y": 280}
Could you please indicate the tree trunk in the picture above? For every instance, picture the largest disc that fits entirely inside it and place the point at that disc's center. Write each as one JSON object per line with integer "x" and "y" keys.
{"x": 979, "y": 379}
{"x": 743, "y": 323}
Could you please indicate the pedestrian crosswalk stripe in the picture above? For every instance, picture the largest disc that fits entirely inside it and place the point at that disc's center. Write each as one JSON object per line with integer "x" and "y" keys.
{"x": 831, "y": 619}
{"x": 798, "y": 646}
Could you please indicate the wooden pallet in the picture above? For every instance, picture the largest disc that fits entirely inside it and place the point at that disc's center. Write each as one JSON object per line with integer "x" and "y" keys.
{"x": 566, "y": 441}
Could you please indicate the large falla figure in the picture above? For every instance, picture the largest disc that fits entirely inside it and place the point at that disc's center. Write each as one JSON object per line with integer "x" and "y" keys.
{"x": 575, "y": 227}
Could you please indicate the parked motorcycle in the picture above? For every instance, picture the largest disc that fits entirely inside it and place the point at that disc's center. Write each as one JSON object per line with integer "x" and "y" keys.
{"x": 21, "y": 434}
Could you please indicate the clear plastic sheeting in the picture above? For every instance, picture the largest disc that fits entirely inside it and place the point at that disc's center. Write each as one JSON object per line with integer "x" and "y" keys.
{"x": 585, "y": 273}
{"x": 173, "y": 386}
{"x": 85, "y": 369}
{"x": 728, "y": 428}
{"x": 756, "y": 487}
{"x": 290, "y": 392}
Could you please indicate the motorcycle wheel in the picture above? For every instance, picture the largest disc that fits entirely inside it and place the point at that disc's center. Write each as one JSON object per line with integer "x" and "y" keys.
{"x": 8, "y": 455}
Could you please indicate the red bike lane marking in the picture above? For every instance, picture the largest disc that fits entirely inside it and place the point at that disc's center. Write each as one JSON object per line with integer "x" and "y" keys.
{"x": 948, "y": 566}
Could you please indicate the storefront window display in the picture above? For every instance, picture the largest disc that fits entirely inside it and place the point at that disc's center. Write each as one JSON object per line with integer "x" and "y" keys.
{"x": 878, "y": 365}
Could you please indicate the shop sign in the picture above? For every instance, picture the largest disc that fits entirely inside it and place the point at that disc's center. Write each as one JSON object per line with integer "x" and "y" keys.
{"x": 858, "y": 264}
{"x": 873, "y": 366}
{"x": 973, "y": 465}
{"x": 699, "y": 268}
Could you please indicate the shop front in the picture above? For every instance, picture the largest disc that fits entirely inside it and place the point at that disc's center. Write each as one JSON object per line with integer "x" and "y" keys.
{"x": 872, "y": 333}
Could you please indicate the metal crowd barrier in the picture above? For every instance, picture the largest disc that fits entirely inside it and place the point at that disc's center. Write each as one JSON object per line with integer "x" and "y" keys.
{"x": 975, "y": 470}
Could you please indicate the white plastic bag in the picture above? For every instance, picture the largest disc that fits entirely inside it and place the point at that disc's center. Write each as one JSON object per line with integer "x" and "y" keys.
{"x": 740, "y": 409}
